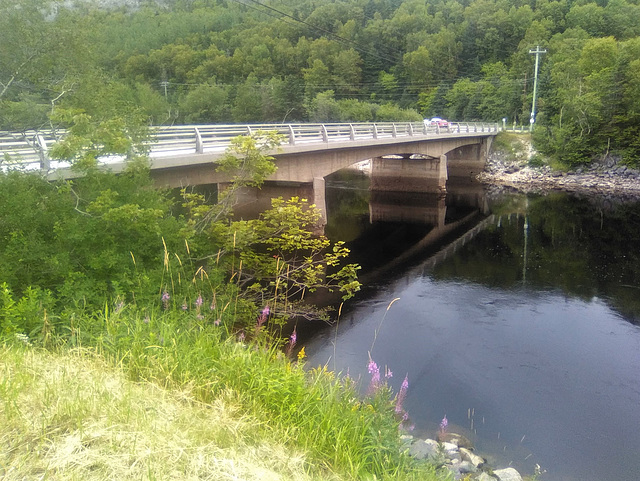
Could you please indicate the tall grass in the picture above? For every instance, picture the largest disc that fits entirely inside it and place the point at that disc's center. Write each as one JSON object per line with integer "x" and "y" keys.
{"x": 315, "y": 411}
{"x": 72, "y": 416}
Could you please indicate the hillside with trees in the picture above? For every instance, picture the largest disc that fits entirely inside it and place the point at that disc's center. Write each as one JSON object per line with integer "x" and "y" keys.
{"x": 240, "y": 61}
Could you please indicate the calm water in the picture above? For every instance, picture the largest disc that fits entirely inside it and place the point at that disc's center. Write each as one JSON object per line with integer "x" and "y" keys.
{"x": 525, "y": 334}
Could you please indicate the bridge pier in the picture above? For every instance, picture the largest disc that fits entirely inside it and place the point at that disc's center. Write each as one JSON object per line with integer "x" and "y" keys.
{"x": 407, "y": 174}
{"x": 253, "y": 200}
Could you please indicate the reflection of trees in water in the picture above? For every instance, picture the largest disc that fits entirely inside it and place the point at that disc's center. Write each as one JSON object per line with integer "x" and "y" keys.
{"x": 583, "y": 247}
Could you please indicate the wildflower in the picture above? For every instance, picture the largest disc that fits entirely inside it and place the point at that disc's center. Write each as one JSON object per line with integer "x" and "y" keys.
{"x": 301, "y": 354}
{"x": 372, "y": 367}
{"x": 184, "y": 306}
{"x": 146, "y": 319}
{"x": 292, "y": 342}
{"x": 402, "y": 394}
{"x": 241, "y": 337}
{"x": 387, "y": 373}
{"x": 374, "y": 370}
{"x": 212, "y": 306}
{"x": 165, "y": 300}
{"x": 217, "y": 322}
{"x": 199, "y": 301}
{"x": 262, "y": 318}
{"x": 443, "y": 424}
{"x": 199, "y": 317}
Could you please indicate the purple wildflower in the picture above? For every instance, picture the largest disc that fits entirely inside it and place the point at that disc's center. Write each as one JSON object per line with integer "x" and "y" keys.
{"x": 199, "y": 317}
{"x": 402, "y": 394}
{"x": 165, "y": 300}
{"x": 241, "y": 337}
{"x": 374, "y": 370}
{"x": 372, "y": 367}
{"x": 217, "y": 322}
{"x": 292, "y": 342}
{"x": 443, "y": 424}
{"x": 387, "y": 373}
{"x": 212, "y": 306}
{"x": 262, "y": 318}
{"x": 199, "y": 301}
{"x": 184, "y": 306}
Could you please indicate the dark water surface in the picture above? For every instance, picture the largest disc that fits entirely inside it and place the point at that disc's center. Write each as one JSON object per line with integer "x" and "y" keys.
{"x": 525, "y": 333}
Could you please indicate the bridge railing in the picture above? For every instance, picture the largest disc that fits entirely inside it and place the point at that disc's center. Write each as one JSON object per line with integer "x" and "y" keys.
{"x": 30, "y": 149}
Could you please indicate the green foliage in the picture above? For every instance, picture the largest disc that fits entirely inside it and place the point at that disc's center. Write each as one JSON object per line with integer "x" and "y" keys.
{"x": 247, "y": 159}
{"x": 316, "y": 410}
{"x": 203, "y": 62}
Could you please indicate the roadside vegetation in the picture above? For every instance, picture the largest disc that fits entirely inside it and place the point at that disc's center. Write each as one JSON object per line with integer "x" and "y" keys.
{"x": 141, "y": 336}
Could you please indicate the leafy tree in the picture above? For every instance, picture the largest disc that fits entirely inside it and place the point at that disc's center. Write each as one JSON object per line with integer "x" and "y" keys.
{"x": 324, "y": 108}
{"x": 205, "y": 104}
{"x": 247, "y": 105}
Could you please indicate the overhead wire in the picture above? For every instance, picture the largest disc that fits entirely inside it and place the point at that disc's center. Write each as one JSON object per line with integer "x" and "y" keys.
{"x": 333, "y": 35}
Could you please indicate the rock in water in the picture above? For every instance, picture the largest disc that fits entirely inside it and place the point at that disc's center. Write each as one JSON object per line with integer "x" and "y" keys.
{"x": 455, "y": 438}
{"x": 508, "y": 474}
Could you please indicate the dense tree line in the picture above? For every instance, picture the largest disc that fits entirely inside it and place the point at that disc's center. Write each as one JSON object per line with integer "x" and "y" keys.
{"x": 208, "y": 61}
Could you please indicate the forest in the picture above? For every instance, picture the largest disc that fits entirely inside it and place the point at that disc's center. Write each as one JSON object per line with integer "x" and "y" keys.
{"x": 242, "y": 61}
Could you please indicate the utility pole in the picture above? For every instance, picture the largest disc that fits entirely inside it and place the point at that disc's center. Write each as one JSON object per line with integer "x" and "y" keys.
{"x": 537, "y": 52}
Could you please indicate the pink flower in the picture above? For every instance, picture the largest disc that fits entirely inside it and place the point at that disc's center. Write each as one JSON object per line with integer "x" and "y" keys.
{"x": 443, "y": 424}
{"x": 374, "y": 370}
{"x": 402, "y": 394}
{"x": 262, "y": 318}
{"x": 165, "y": 300}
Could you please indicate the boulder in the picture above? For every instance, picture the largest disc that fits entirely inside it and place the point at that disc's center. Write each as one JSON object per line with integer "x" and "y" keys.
{"x": 424, "y": 449}
{"x": 467, "y": 467}
{"x": 508, "y": 474}
{"x": 485, "y": 477}
{"x": 455, "y": 438}
{"x": 474, "y": 459}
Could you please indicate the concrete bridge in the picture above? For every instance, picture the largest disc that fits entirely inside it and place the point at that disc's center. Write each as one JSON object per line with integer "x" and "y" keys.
{"x": 313, "y": 151}
{"x": 406, "y": 156}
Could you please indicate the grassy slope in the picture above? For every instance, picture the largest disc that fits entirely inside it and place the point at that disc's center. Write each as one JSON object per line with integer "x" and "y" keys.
{"x": 70, "y": 416}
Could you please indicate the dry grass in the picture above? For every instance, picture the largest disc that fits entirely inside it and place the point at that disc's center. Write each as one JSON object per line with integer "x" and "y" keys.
{"x": 71, "y": 417}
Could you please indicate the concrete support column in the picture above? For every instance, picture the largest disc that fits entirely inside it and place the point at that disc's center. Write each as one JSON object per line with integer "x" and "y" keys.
{"x": 444, "y": 172}
{"x": 319, "y": 199}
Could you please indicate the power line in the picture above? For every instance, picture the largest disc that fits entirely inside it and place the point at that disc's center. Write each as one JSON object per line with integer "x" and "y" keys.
{"x": 340, "y": 39}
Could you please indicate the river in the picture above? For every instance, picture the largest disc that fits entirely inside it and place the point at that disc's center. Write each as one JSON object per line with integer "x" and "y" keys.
{"x": 516, "y": 317}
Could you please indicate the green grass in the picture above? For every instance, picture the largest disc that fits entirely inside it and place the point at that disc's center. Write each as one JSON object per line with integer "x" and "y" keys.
{"x": 149, "y": 397}
{"x": 514, "y": 146}
{"x": 72, "y": 416}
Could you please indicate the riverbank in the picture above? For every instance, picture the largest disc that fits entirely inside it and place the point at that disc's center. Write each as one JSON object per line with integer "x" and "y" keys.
{"x": 511, "y": 168}
{"x": 456, "y": 454}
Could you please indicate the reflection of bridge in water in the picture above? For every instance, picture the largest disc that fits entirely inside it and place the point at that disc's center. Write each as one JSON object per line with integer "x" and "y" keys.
{"x": 413, "y": 232}
{"x": 455, "y": 219}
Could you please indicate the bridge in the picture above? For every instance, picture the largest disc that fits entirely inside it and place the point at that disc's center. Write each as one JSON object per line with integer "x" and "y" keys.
{"x": 406, "y": 156}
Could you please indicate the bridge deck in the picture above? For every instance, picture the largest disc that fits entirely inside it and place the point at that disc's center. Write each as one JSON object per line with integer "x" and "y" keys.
{"x": 185, "y": 145}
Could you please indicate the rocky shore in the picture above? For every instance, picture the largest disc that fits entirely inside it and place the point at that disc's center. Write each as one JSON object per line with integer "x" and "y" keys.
{"x": 608, "y": 178}
{"x": 455, "y": 453}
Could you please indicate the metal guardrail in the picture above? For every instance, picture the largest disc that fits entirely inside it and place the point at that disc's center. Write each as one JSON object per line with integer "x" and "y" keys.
{"x": 30, "y": 149}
